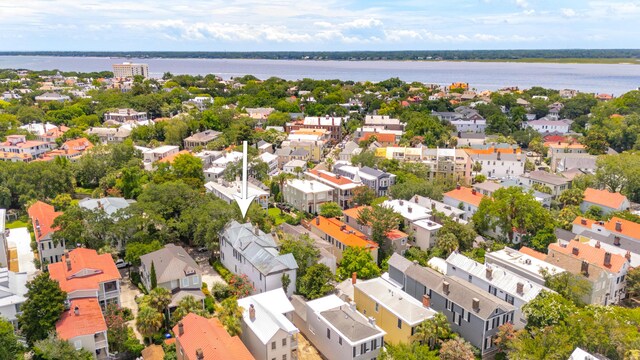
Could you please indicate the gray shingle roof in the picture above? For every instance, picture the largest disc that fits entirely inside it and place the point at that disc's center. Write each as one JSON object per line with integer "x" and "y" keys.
{"x": 109, "y": 204}
{"x": 352, "y": 327}
{"x": 171, "y": 263}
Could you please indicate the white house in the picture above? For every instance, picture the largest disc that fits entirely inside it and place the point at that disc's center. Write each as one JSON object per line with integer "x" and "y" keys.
{"x": 497, "y": 281}
{"x": 545, "y": 125}
{"x": 307, "y": 195}
{"x": 465, "y": 199}
{"x": 417, "y": 220}
{"x": 271, "y": 160}
{"x": 521, "y": 264}
{"x": 499, "y": 165}
{"x": 42, "y": 216}
{"x": 556, "y": 183}
{"x": 338, "y": 330}
{"x": 267, "y": 330}
{"x": 247, "y": 250}
{"x": 226, "y": 190}
{"x": 13, "y": 287}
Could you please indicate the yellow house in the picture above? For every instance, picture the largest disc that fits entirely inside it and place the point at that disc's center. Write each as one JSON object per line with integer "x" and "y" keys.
{"x": 400, "y": 153}
{"x": 395, "y": 312}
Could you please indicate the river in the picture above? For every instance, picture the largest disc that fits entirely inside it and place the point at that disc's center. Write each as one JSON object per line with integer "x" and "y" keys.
{"x": 597, "y": 78}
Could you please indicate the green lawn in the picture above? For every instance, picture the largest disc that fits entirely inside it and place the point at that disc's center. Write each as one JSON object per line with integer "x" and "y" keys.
{"x": 276, "y": 215}
{"x": 16, "y": 224}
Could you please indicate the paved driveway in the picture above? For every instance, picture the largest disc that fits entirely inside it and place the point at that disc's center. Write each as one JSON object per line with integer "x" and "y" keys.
{"x": 209, "y": 275}
{"x": 128, "y": 293}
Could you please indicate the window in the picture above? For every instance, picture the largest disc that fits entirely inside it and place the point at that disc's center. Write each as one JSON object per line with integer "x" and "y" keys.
{"x": 468, "y": 316}
{"x": 273, "y": 345}
{"x": 354, "y": 351}
{"x": 508, "y": 298}
{"x": 284, "y": 342}
{"x": 376, "y": 307}
{"x": 470, "y": 278}
{"x": 284, "y": 357}
{"x": 49, "y": 245}
{"x": 185, "y": 282}
{"x": 399, "y": 324}
{"x": 194, "y": 280}
{"x": 78, "y": 344}
{"x": 328, "y": 333}
{"x": 339, "y": 340}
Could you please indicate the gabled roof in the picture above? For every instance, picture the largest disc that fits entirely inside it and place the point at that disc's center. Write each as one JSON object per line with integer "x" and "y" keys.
{"x": 88, "y": 270}
{"x": 89, "y": 320}
{"x": 342, "y": 232}
{"x": 545, "y": 177}
{"x": 42, "y": 216}
{"x": 627, "y": 228}
{"x": 269, "y": 309}
{"x": 171, "y": 262}
{"x": 209, "y": 336}
{"x": 536, "y": 254}
{"x": 604, "y": 198}
{"x": 109, "y": 204}
{"x": 466, "y": 195}
{"x": 590, "y": 254}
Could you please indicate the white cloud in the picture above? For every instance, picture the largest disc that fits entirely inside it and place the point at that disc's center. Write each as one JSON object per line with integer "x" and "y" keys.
{"x": 522, "y": 3}
{"x": 568, "y": 12}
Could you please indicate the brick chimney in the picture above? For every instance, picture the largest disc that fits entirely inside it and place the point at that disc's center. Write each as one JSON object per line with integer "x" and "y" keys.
{"x": 445, "y": 287}
{"x": 318, "y": 220}
{"x": 415, "y": 199}
{"x": 473, "y": 191}
{"x": 199, "y": 354}
{"x": 180, "y": 328}
{"x": 616, "y": 241}
{"x": 476, "y": 304}
{"x": 607, "y": 259}
{"x": 409, "y": 209}
{"x": 458, "y": 187}
{"x": 575, "y": 251}
{"x": 68, "y": 264}
{"x": 584, "y": 268}
{"x": 618, "y": 226}
{"x": 354, "y": 278}
{"x": 76, "y": 311}
{"x": 598, "y": 244}
{"x": 489, "y": 272}
{"x": 256, "y": 230}
{"x": 583, "y": 221}
{"x": 426, "y": 301}
{"x": 520, "y": 288}
{"x": 252, "y": 312}
{"x": 628, "y": 256}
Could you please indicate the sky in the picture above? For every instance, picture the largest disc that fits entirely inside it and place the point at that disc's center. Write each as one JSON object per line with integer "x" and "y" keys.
{"x": 321, "y": 25}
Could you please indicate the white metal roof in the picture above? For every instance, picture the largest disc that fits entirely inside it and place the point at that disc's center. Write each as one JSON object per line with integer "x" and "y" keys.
{"x": 270, "y": 308}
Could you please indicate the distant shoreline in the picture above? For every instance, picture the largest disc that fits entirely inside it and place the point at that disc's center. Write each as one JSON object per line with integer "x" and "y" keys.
{"x": 575, "y": 56}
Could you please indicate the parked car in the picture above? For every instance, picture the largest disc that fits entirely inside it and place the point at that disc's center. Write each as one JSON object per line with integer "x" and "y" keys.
{"x": 121, "y": 264}
{"x": 202, "y": 249}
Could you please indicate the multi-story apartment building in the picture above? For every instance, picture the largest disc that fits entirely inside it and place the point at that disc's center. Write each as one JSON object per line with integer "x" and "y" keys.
{"x": 125, "y": 115}
{"x": 499, "y": 282}
{"x": 83, "y": 325}
{"x": 130, "y": 70}
{"x": 377, "y": 180}
{"x": 395, "y": 311}
{"x": 307, "y": 195}
{"x": 341, "y": 236}
{"x": 329, "y": 123}
{"x": 465, "y": 199}
{"x": 337, "y": 329}
{"x": 556, "y": 183}
{"x": 85, "y": 274}
{"x": 472, "y": 312}
{"x": 499, "y": 165}
{"x": 342, "y": 186}
{"x": 448, "y": 163}
{"x": 418, "y": 221}
{"x": 247, "y": 250}
{"x": 18, "y": 144}
{"x": 201, "y": 139}
{"x": 267, "y": 330}
{"x": 13, "y": 288}
{"x": 525, "y": 263}
{"x": 384, "y": 121}
{"x": 42, "y": 216}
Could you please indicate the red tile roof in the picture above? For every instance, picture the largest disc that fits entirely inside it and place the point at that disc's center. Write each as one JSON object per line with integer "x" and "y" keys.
{"x": 42, "y": 215}
{"x": 88, "y": 270}
{"x": 89, "y": 320}
{"x": 396, "y": 234}
{"x": 491, "y": 150}
{"x": 604, "y": 198}
{"x": 536, "y": 254}
{"x": 347, "y": 235}
{"x": 466, "y": 195}
{"x": 381, "y": 138}
{"x": 354, "y": 212}
{"x": 169, "y": 159}
{"x": 336, "y": 179}
{"x": 210, "y": 336}
{"x": 591, "y": 254}
{"x": 628, "y": 228}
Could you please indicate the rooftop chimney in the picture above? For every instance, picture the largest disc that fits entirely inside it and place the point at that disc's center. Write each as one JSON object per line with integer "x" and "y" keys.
{"x": 628, "y": 256}
{"x": 354, "y": 278}
{"x": 476, "y": 304}
{"x": 343, "y": 227}
{"x": 473, "y": 191}
{"x": 252, "y": 312}
{"x": 180, "y": 328}
{"x": 372, "y": 321}
{"x": 76, "y": 311}
{"x": 426, "y": 301}
{"x": 575, "y": 251}
{"x": 458, "y": 187}
{"x": 68, "y": 264}
{"x": 318, "y": 220}
{"x": 489, "y": 272}
{"x": 607, "y": 259}
{"x": 584, "y": 268}
{"x": 520, "y": 288}
{"x": 618, "y": 226}
{"x": 401, "y": 202}
{"x": 583, "y": 221}
{"x": 199, "y": 354}
{"x": 409, "y": 209}
{"x": 598, "y": 244}
{"x": 616, "y": 241}
{"x": 415, "y": 199}
{"x": 445, "y": 287}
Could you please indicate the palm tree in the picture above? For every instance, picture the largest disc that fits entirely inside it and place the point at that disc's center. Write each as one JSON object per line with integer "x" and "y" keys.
{"x": 281, "y": 178}
{"x": 230, "y": 314}
{"x": 432, "y": 331}
{"x": 159, "y": 298}
{"x": 447, "y": 242}
{"x": 149, "y": 321}
{"x": 187, "y": 305}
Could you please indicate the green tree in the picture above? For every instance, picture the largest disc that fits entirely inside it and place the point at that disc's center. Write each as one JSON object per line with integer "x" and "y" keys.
{"x": 159, "y": 298}
{"x": 433, "y": 331}
{"x": 186, "y": 306}
{"x": 447, "y": 243}
{"x": 540, "y": 242}
{"x": 149, "y": 321}
{"x": 358, "y": 260}
{"x": 571, "y": 286}
{"x": 53, "y": 348}
{"x": 42, "y": 309}
{"x": 547, "y": 309}
{"x": 303, "y": 250}
{"x": 152, "y": 276}
{"x": 330, "y": 210}
{"x": 382, "y": 219}
{"x": 413, "y": 351}
{"x": 285, "y": 280}
{"x": 10, "y": 347}
{"x": 511, "y": 209}
{"x": 633, "y": 282}
{"x": 61, "y": 202}
{"x": 315, "y": 283}
{"x": 230, "y": 315}
{"x": 464, "y": 233}
{"x": 117, "y": 328}
{"x": 596, "y": 142}
{"x": 571, "y": 197}
{"x": 363, "y": 195}
{"x": 456, "y": 349}
{"x": 134, "y": 250}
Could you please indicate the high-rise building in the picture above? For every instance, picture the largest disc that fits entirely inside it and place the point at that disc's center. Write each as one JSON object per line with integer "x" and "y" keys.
{"x": 129, "y": 70}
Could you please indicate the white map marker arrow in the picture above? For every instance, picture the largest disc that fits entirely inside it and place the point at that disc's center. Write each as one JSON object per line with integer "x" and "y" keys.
{"x": 244, "y": 200}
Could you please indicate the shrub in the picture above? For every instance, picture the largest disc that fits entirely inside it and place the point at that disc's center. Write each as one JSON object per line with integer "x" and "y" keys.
{"x": 220, "y": 291}
{"x": 209, "y": 305}
{"x": 220, "y": 269}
